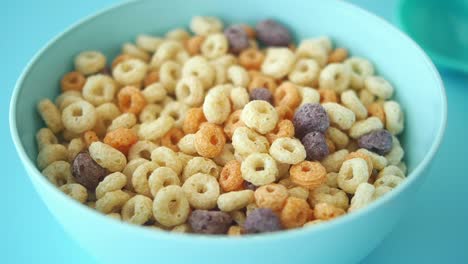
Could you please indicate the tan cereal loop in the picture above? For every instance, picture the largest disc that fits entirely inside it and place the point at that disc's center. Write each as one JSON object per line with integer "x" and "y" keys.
{"x": 187, "y": 144}
{"x": 308, "y": 95}
{"x": 226, "y": 155}
{"x": 67, "y": 98}
{"x": 193, "y": 44}
{"x": 396, "y": 154}
{"x": 271, "y": 196}
{"x": 75, "y": 191}
{"x": 120, "y": 58}
{"x": 299, "y": 192}
{"x": 194, "y": 118}
{"x": 162, "y": 177}
{"x": 51, "y": 115}
{"x": 376, "y": 109}
{"x": 295, "y": 213}
{"x": 284, "y": 129}
{"x": 278, "y": 62}
{"x": 235, "y": 200}
{"x": 79, "y": 117}
{"x": 170, "y": 206}
{"x": 172, "y": 138}
{"x": 135, "y": 52}
{"x": 313, "y": 49}
{"x": 260, "y": 116}
{"x": 205, "y": 25}
{"x": 152, "y": 77}
{"x": 339, "y": 138}
{"x": 148, "y": 43}
{"x": 239, "y": 97}
{"x": 177, "y": 111}
{"x": 183, "y": 228}
{"x": 154, "y": 93}
{"x": 391, "y": 170}
{"x": 209, "y": 140}
{"x": 154, "y": 130}
{"x": 128, "y": 171}
{"x": 308, "y": 174}
{"x": 90, "y": 137}
{"x": 305, "y": 72}
{"x": 350, "y": 99}
{"x": 140, "y": 177}
{"x": 169, "y": 50}
{"x": 216, "y": 107}
{"x": 190, "y": 91}
{"x": 360, "y": 69}
{"x": 394, "y": 117}
{"x": 75, "y": 146}
{"x": 363, "y": 156}
{"x": 200, "y": 165}
{"x": 45, "y": 137}
{"x": 137, "y": 210}
{"x": 338, "y": 55}
{"x": 238, "y": 76}
{"x": 59, "y": 173}
{"x": 247, "y": 141}
{"x": 329, "y": 195}
{"x": 259, "y": 169}
{"x": 51, "y": 153}
{"x": 106, "y": 113}
{"x": 362, "y": 197}
{"x": 150, "y": 113}
{"x": 112, "y": 202}
{"x": 199, "y": 67}
{"x": 379, "y": 87}
{"x": 131, "y": 100}
{"x": 99, "y": 89}
{"x": 202, "y": 191}
{"x": 130, "y": 72}
{"x": 287, "y": 94}
{"x": 72, "y": 81}
{"x": 214, "y": 46}
{"x": 328, "y": 96}
{"x": 141, "y": 149}
{"x": 332, "y": 162}
{"x": 365, "y": 126}
{"x": 230, "y": 178}
{"x": 352, "y": 173}
{"x": 89, "y": 62}
{"x": 262, "y": 81}
{"x": 107, "y": 156}
{"x": 112, "y": 182}
{"x": 251, "y": 59}
{"x": 288, "y": 150}
{"x": 339, "y": 115}
{"x": 390, "y": 181}
{"x": 166, "y": 157}
{"x": 324, "y": 211}
{"x": 378, "y": 162}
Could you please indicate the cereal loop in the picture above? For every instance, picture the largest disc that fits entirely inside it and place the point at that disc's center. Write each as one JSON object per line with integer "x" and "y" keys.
{"x": 324, "y": 211}
{"x": 271, "y": 196}
{"x": 232, "y": 123}
{"x": 308, "y": 174}
{"x": 251, "y": 59}
{"x": 231, "y": 177}
{"x": 131, "y": 100}
{"x": 287, "y": 94}
{"x": 121, "y": 139}
{"x": 284, "y": 129}
{"x": 295, "y": 213}
{"x": 72, "y": 81}
{"x": 170, "y": 206}
{"x": 209, "y": 140}
{"x": 202, "y": 191}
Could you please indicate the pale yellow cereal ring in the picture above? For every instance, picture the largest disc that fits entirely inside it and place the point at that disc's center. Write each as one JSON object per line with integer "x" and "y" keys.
{"x": 308, "y": 95}
{"x": 99, "y": 89}
{"x": 278, "y": 62}
{"x": 362, "y": 197}
{"x": 365, "y": 126}
{"x": 394, "y": 117}
{"x": 350, "y": 99}
{"x": 339, "y": 138}
{"x": 135, "y": 52}
{"x": 187, "y": 144}
{"x": 360, "y": 69}
{"x": 335, "y": 76}
{"x": 204, "y": 25}
{"x": 260, "y": 116}
{"x": 75, "y": 191}
{"x": 154, "y": 130}
{"x": 246, "y": 141}
{"x": 305, "y": 72}
{"x": 59, "y": 173}
{"x": 130, "y": 72}
{"x": 231, "y": 201}
{"x": 288, "y": 150}
{"x": 137, "y": 210}
{"x": 130, "y": 169}
{"x": 259, "y": 169}
{"x": 396, "y": 154}
{"x": 107, "y": 156}
{"x": 148, "y": 43}
{"x": 166, "y": 157}
{"x": 202, "y": 191}
{"x": 200, "y": 165}
{"x": 45, "y": 137}
{"x": 89, "y": 62}
{"x": 154, "y": 93}
{"x": 79, "y": 116}
{"x": 75, "y": 146}
{"x": 199, "y": 67}
{"x": 150, "y": 113}
{"x": 141, "y": 149}
{"x": 160, "y": 178}
{"x": 299, "y": 192}
{"x": 331, "y": 179}
{"x": 329, "y": 195}
{"x": 51, "y": 115}
{"x": 391, "y": 170}
{"x": 312, "y": 49}
{"x": 214, "y": 46}
{"x": 352, "y": 173}
{"x": 217, "y": 106}
{"x": 378, "y": 162}
{"x": 379, "y": 87}
{"x": 239, "y": 97}
{"x": 226, "y": 155}
{"x": 50, "y": 154}
{"x": 112, "y": 182}
{"x": 332, "y": 162}
{"x": 189, "y": 90}
{"x": 339, "y": 115}
{"x": 170, "y": 206}
{"x": 112, "y": 202}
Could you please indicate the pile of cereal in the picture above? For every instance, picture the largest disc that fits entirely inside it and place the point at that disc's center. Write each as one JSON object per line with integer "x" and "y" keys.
{"x": 209, "y": 133}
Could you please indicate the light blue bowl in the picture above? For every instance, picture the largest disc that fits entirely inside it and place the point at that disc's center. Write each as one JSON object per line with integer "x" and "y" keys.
{"x": 345, "y": 240}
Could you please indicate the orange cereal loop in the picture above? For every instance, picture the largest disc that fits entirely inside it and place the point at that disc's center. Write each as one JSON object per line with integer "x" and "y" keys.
{"x": 331, "y": 145}
{"x": 131, "y": 100}
{"x": 250, "y": 31}
{"x": 285, "y": 128}
{"x": 171, "y": 138}
{"x": 271, "y": 196}
{"x": 363, "y": 156}
{"x": 233, "y": 122}
{"x": 121, "y": 139}
{"x": 376, "y": 109}
{"x": 230, "y": 178}
{"x": 338, "y": 55}
{"x": 287, "y": 94}
{"x": 262, "y": 81}
{"x": 193, "y": 44}
{"x": 324, "y": 211}
{"x": 119, "y": 59}
{"x": 328, "y": 96}
{"x": 151, "y": 77}
{"x": 295, "y": 213}
{"x": 90, "y": 137}
{"x": 193, "y": 119}
{"x": 209, "y": 140}
{"x": 251, "y": 59}
{"x": 72, "y": 81}
{"x": 284, "y": 112}
{"x": 308, "y": 174}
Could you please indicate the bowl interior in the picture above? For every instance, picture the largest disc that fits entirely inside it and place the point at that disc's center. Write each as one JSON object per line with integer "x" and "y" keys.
{"x": 418, "y": 88}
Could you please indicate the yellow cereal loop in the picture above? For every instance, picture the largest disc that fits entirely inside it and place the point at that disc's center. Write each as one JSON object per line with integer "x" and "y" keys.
{"x": 75, "y": 191}
{"x": 89, "y": 62}
{"x": 107, "y": 156}
{"x": 202, "y": 191}
{"x": 112, "y": 182}
{"x": 51, "y": 115}
{"x": 99, "y": 89}
{"x": 137, "y": 210}
{"x": 162, "y": 177}
{"x": 170, "y": 206}
{"x": 50, "y": 154}
{"x": 259, "y": 169}
{"x": 260, "y": 116}
{"x": 231, "y": 201}
{"x": 352, "y": 173}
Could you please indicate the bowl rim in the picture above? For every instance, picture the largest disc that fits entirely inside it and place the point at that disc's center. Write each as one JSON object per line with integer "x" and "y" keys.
{"x": 284, "y": 234}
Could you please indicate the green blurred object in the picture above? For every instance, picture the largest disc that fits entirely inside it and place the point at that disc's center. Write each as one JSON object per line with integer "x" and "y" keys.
{"x": 440, "y": 27}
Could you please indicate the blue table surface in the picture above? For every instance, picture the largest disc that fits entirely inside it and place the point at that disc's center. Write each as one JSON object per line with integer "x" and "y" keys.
{"x": 434, "y": 230}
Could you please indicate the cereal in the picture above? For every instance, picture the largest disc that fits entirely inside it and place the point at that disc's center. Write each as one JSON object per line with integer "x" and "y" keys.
{"x": 187, "y": 144}
{"x": 155, "y": 129}
{"x": 141, "y": 149}
{"x": 251, "y": 59}
{"x": 235, "y": 200}
{"x": 360, "y": 69}
{"x": 107, "y": 156}
{"x": 239, "y": 97}
{"x": 162, "y": 177}
{"x": 199, "y": 67}
{"x": 172, "y": 138}
{"x": 216, "y": 107}
{"x": 209, "y": 222}
{"x": 234, "y": 231}
{"x": 352, "y": 173}
{"x": 183, "y": 228}
{"x": 259, "y": 169}
{"x": 287, "y": 94}
{"x": 50, "y": 153}
{"x": 166, "y": 157}
{"x": 394, "y": 117}
{"x": 324, "y": 211}
{"x": 313, "y": 49}
{"x": 75, "y": 191}
{"x": 335, "y": 76}
{"x": 121, "y": 139}
{"x": 272, "y": 196}
{"x": 391, "y": 170}
{"x": 72, "y": 81}
{"x": 169, "y": 51}
{"x": 390, "y": 181}
{"x": 226, "y": 155}
{"x": 135, "y": 52}
{"x": 338, "y": 55}
{"x": 209, "y": 140}
{"x": 377, "y": 110}
{"x": 231, "y": 177}
{"x": 260, "y": 80}
{"x": 365, "y": 126}
{"x": 193, "y": 44}
{"x": 262, "y": 220}
{"x": 112, "y": 182}
{"x": 232, "y": 123}
{"x": 379, "y": 87}
{"x": 45, "y": 137}
{"x": 284, "y": 129}
{"x": 51, "y": 115}
{"x": 194, "y": 118}
{"x": 278, "y": 62}
{"x": 339, "y": 115}
{"x": 271, "y": 33}
{"x": 261, "y": 94}
{"x": 202, "y": 191}
{"x": 315, "y": 145}
{"x": 58, "y": 173}
{"x": 299, "y": 192}
{"x": 295, "y": 213}
{"x": 237, "y": 38}
{"x": 130, "y": 72}
{"x": 396, "y": 154}
{"x": 89, "y": 62}
{"x": 379, "y": 162}
{"x": 99, "y": 89}
{"x": 148, "y": 43}
{"x": 79, "y": 117}
{"x": 339, "y": 138}
{"x": 214, "y": 46}
{"x": 150, "y": 113}
{"x": 137, "y": 210}
{"x": 200, "y": 165}
{"x": 329, "y": 195}
{"x": 112, "y": 201}
{"x": 178, "y": 34}
{"x": 238, "y": 76}
{"x": 308, "y": 174}
{"x": 364, "y": 156}
{"x": 309, "y": 118}
{"x": 246, "y": 141}
{"x": 288, "y": 150}
{"x": 131, "y": 100}
{"x": 170, "y": 206}
{"x": 378, "y": 141}
{"x": 260, "y": 116}
{"x": 350, "y": 100}
{"x": 305, "y": 72}
{"x": 204, "y": 25}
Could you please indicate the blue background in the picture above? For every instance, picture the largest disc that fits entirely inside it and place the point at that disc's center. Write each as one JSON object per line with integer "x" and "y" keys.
{"x": 433, "y": 231}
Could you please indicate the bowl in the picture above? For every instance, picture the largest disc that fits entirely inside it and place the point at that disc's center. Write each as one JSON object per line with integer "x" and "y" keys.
{"x": 348, "y": 239}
